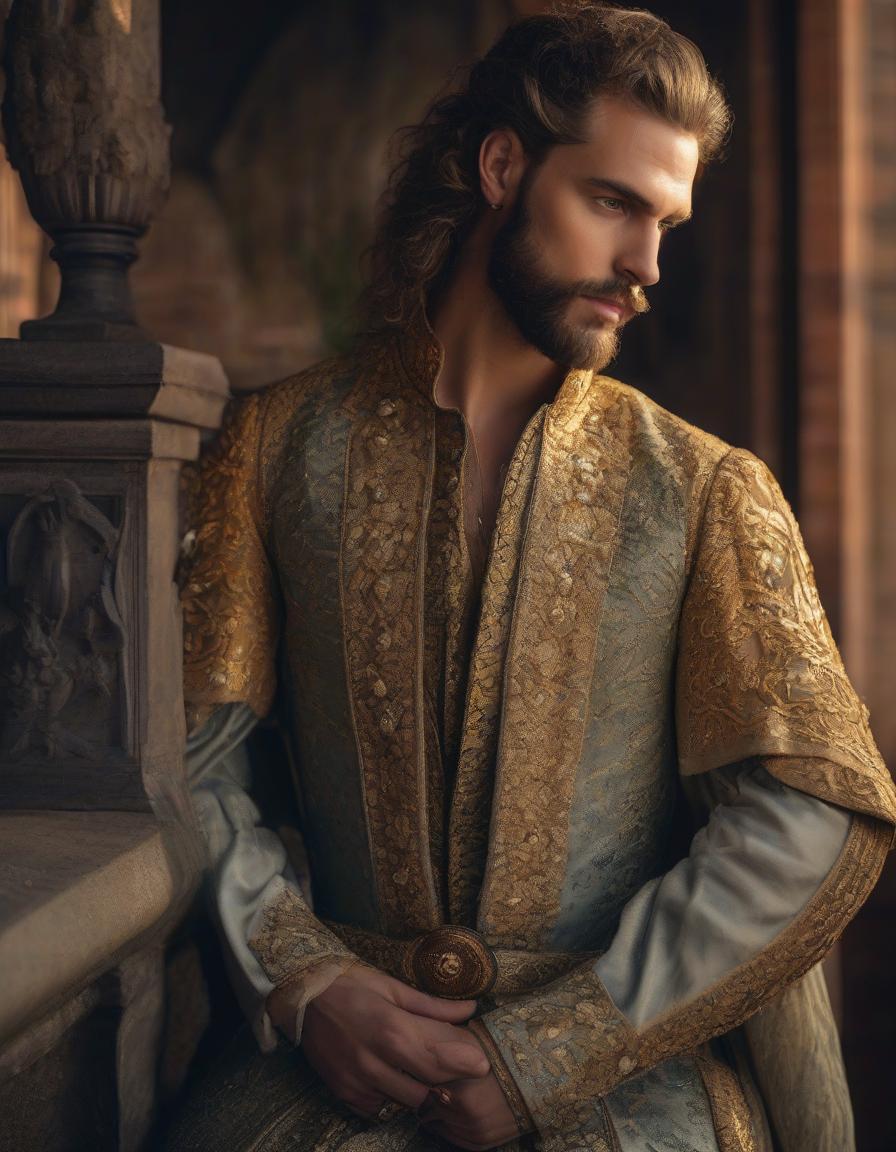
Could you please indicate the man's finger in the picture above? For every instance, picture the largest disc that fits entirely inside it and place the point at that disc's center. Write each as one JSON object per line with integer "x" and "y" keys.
{"x": 393, "y": 1084}
{"x": 466, "y": 1058}
{"x": 429, "y": 1060}
{"x": 436, "y": 1008}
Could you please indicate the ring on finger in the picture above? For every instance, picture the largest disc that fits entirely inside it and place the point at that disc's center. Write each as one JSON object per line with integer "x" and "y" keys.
{"x": 388, "y": 1111}
{"x": 444, "y": 1094}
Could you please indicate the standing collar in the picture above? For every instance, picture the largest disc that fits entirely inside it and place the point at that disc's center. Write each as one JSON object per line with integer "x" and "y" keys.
{"x": 419, "y": 357}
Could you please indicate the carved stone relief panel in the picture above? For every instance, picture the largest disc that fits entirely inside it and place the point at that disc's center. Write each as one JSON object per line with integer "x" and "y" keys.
{"x": 67, "y": 654}
{"x": 62, "y": 636}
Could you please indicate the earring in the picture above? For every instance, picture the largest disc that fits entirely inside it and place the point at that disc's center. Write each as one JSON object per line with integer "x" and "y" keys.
{"x": 497, "y": 207}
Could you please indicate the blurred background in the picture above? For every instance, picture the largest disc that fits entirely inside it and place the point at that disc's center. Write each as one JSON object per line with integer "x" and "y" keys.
{"x": 774, "y": 326}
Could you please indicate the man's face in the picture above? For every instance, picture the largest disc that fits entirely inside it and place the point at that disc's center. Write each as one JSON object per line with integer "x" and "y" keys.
{"x": 582, "y": 238}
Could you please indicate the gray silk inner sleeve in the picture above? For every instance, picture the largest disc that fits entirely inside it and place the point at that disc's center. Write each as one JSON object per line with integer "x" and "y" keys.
{"x": 248, "y": 865}
{"x": 761, "y": 857}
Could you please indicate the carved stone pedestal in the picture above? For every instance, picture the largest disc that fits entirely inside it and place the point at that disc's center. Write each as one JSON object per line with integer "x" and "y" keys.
{"x": 99, "y": 848}
{"x": 90, "y": 708}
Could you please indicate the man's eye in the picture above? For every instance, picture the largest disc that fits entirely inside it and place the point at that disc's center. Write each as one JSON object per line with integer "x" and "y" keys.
{"x": 611, "y": 202}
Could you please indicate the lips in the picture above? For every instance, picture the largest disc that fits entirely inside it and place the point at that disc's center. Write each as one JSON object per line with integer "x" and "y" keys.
{"x": 608, "y": 308}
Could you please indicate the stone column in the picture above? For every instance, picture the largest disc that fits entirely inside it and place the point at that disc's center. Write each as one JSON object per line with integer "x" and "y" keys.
{"x": 96, "y": 419}
{"x": 85, "y": 129}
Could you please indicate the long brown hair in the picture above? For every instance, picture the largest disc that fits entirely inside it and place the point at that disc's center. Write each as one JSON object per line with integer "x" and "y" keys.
{"x": 540, "y": 79}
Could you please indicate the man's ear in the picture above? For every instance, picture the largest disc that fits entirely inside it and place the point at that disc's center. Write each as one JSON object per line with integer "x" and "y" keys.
{"x": 502, "y": 162}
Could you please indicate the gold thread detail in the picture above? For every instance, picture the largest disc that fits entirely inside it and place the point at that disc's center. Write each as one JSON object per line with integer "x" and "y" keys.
{"x": 564, "y": 1046}
{"x": 803, "y": 943}
{"x": 386, "y": 496}
{"x": 471, "y": 804}
{"x": 291, "y": 940}
{"x": 230, "y": 619}
{"x": 759, "y": 673}
{"x": 568, "y": 1043}
{"x": 730, "y": 1114}
{"x": 570, "y": 542}
{"x": 870, "y": 791}
{"x": 515, "y": 1100}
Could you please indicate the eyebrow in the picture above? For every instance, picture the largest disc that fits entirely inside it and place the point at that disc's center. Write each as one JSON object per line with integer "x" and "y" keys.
{"x": 624, "y": 192}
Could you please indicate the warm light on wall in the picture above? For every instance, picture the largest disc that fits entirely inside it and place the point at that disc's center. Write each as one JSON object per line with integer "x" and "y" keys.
{"x": 121, "y": 10}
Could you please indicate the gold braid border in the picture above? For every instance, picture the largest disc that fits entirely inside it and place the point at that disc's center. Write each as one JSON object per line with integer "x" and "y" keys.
{"x": 472, "y": 800}
{"x": 388, "y": 490}
{"x": 730, "y": 1114}
{"x": 512, "y": 1094}
{"x": 571, "y": 536}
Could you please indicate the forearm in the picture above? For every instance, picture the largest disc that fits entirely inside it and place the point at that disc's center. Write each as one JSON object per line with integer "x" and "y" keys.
{"x": 249, "y": 873}
{"x": 767, "y": 887}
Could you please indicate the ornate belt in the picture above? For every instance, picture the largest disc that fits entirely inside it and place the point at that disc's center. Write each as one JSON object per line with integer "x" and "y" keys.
{"x": 458, "y": 963}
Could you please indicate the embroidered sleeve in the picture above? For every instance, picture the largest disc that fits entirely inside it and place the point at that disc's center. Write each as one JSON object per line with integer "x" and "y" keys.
{"x": 227, "y": 587}
{"x": 758, "y": 671}
{"x": 289, "y": 940}
{"x": 698, "y": 950}
{"x": 269, "y": 934}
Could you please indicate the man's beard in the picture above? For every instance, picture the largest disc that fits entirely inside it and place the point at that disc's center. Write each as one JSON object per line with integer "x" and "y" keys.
{"x": 537, "y": 303}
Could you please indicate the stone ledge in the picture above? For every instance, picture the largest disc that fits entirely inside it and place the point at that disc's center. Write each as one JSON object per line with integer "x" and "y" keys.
{"x": 76, "y": 889}
{"x": 97, "y": 440}
{"x": 50, "y": 380}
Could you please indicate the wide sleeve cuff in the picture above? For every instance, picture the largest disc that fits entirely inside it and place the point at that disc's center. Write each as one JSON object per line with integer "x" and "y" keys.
{"x": 758, "y": 673}
{"x": 288, "y": 940}
{"x": 564, "y": 1045}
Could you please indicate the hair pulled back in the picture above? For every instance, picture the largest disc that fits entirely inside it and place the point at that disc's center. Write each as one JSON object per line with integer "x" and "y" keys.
{"x": 539, "y": 79}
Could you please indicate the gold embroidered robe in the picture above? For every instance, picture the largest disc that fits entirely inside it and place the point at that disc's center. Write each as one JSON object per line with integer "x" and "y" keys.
{"x": 648, "y": 615}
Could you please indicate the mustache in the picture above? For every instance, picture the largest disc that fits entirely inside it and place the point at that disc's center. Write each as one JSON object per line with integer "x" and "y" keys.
{"x": 622, "y": 291}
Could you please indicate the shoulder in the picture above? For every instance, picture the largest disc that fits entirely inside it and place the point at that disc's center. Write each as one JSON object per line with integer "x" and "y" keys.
{"x": 258, "y": 420}
{"x": 284, "y": 400}
{"x": 710, "y": 477}
{"x": 657, "y": 431}
{"x": 324, "y": 391}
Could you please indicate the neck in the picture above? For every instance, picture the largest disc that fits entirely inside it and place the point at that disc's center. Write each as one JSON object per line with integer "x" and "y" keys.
{"x": 490, "y": 374}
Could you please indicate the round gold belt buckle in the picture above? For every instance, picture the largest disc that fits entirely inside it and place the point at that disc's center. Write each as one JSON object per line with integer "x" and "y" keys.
{"x": 451, "y": 961}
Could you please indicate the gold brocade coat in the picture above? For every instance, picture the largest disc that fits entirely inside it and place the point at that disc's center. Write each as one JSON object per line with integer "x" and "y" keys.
{"x": 648, "y": 613}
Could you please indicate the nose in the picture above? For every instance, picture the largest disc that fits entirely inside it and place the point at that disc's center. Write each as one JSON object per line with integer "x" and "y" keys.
{"x": 638, "y": 261}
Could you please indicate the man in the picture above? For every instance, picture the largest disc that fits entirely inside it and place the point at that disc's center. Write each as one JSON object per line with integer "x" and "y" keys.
{"x": 525, "y": 616}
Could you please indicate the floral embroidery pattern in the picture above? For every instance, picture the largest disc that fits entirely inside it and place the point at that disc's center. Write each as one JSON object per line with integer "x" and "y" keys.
{"x": 759, "y": 673}
{"x": 227, "y": 594}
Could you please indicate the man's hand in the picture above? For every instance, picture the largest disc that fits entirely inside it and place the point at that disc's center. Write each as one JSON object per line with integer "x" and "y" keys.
{"x": 371, "y": 1039}
{"x": 478, "y": 1116}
